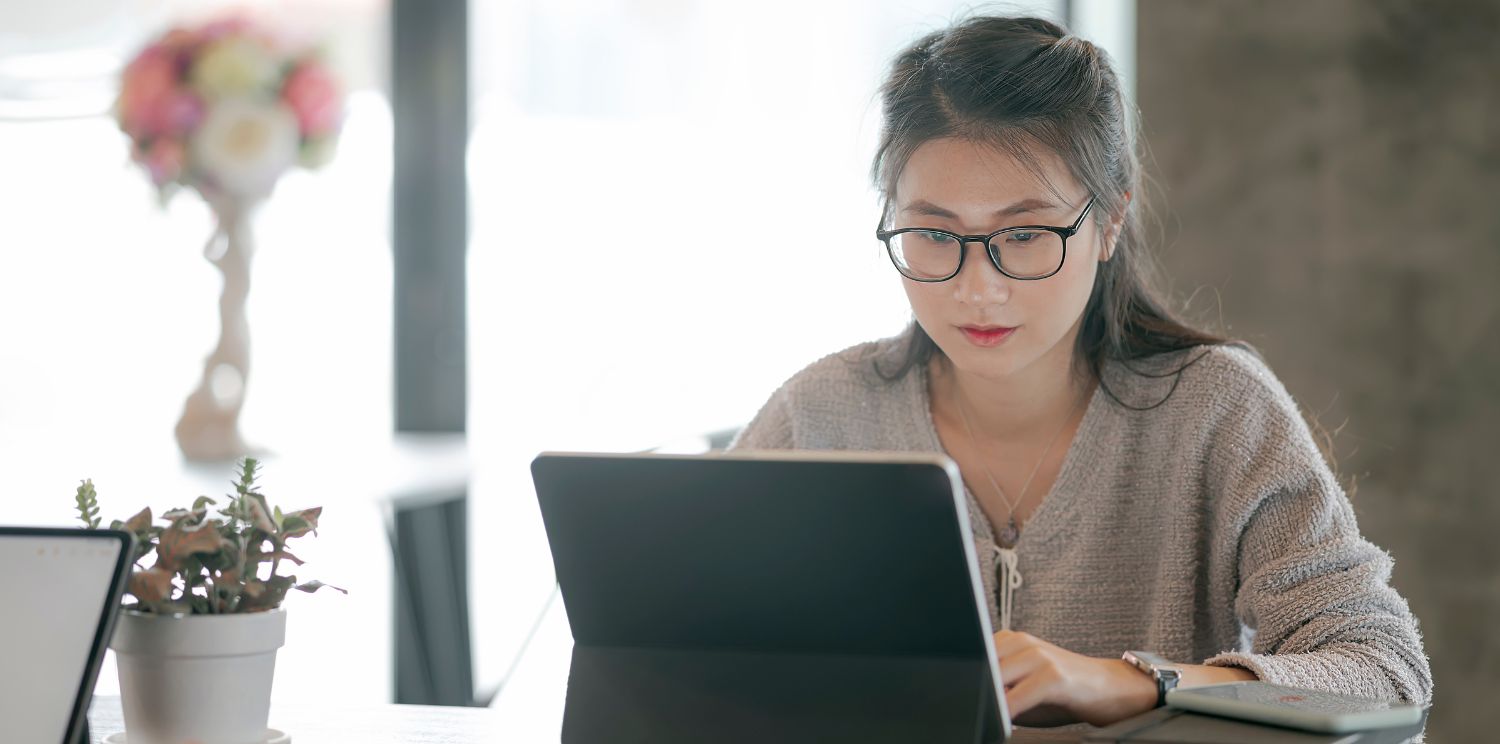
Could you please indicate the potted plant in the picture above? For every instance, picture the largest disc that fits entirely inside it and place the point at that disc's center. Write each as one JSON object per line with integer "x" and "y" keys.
{"x": 196, "y": 642}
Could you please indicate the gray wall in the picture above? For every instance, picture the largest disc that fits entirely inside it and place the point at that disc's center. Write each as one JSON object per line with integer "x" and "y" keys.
{"x": 1329, "y": 174}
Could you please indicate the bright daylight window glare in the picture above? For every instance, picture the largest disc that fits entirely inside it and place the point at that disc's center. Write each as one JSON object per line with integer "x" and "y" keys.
{"x": 670, "y": 214}
{"x": 110, "y": 307}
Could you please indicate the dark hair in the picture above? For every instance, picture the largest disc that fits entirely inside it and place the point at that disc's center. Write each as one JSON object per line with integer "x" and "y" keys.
{"x": 1018, "y": 84}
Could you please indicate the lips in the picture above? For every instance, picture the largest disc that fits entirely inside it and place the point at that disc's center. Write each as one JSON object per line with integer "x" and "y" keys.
{"x": 987, "y": 336}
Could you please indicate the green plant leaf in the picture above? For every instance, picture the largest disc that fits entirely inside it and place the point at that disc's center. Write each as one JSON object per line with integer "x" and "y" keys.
{"x": 192, "y": 572}
{"x": 88, "y": 504}
{"x": 278, "y": 555}
{"x": 293, "y": 526}
{"x": 299, "y": 523}
{"x": 227, "y": 557}
{"x": 314, "y": 585}
{"x": 200, "y": 502}
{"x": 248, "y": 467}
{"x": 145, "y": 543}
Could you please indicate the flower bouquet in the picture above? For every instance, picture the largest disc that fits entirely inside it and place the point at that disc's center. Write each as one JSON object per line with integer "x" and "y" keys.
{"x": 225, "y": 109}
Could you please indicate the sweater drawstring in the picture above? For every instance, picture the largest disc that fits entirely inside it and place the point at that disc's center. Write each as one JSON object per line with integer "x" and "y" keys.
{"x": 1008, "y": 579}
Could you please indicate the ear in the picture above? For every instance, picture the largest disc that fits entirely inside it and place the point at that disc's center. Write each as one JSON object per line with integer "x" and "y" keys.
{"x": 1112, "y": 230}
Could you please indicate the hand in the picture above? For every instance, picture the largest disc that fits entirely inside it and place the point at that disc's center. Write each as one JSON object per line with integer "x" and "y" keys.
{"x": 1049, "y": 686}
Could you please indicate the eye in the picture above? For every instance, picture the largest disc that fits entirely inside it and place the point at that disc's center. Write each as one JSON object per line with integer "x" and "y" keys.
{"x": 928, "y": 237}
{"x": 1022, "y": 238}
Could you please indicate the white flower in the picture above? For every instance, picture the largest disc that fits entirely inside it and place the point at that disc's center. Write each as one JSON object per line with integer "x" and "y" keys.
{"x": 244, "y": 145}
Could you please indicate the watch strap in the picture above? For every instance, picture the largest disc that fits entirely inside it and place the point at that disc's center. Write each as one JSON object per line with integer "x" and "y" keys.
{"x": 1159, "y": 669}
{"x": 1166, "y": 679}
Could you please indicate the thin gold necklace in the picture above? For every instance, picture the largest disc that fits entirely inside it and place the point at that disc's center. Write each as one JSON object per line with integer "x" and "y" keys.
{"x": 1011, "y": 533}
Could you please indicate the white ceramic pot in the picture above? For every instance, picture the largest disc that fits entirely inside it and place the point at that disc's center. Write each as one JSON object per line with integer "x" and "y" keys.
{"x": 200, "y": 679}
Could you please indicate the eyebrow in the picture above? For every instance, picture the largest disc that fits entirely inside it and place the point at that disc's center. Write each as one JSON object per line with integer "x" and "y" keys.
{"x": 922, "y": 206}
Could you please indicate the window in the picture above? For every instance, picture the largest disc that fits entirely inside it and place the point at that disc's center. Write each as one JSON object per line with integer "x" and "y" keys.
{"x": 617, "y": 299}
{"x": 108, "y": 307}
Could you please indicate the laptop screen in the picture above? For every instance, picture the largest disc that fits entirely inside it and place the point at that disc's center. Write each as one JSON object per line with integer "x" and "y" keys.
{"x": 59, "y": 588}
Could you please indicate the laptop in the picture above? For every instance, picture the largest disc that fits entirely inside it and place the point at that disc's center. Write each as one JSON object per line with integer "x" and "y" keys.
{"x": 770, "y": 596}
{"x": 61, "y": 590}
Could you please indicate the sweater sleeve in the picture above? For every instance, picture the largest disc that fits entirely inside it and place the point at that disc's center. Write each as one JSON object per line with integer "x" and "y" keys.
{"x": 772, "y": 426}
{"x": 1315, "y": 593}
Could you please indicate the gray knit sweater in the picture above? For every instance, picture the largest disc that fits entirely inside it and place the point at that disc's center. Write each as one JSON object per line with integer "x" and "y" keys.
{"x": 1208, "y": 529}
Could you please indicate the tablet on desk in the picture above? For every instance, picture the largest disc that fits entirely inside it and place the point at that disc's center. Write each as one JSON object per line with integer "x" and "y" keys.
{"x": 757, "y": 596}
{"x": 61, "y": 589}
{"x": 1294, "y": 707}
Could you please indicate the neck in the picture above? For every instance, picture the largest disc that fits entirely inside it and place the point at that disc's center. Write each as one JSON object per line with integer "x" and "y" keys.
{"x": 1032, "y": 402}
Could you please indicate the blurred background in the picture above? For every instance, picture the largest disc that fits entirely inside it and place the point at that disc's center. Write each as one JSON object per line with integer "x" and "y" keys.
{"x": 544, "y": 229}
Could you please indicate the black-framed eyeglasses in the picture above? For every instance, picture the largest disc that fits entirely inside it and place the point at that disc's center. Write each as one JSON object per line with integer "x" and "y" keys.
{"x": 1027, "y": 252}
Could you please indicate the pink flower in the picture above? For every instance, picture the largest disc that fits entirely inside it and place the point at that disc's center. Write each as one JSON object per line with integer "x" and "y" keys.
{"x": 313, "y": 95}
{"x": 165, "y": 160}
{"x": 149, "y": 83}
{"x": 179, "y": 114}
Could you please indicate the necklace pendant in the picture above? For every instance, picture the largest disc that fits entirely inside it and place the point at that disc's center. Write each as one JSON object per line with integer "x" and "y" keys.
{"x": 1010, "y": 534}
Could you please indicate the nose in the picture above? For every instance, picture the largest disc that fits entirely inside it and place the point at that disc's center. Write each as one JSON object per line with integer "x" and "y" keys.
{"x": 979, "y": 282}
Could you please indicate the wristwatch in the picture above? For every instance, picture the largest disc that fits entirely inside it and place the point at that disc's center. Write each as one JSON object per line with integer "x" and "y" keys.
{"x": 1161, "y": 670}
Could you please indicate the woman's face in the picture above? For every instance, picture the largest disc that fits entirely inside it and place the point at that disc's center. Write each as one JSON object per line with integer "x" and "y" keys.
{"x": 973, "y": 189}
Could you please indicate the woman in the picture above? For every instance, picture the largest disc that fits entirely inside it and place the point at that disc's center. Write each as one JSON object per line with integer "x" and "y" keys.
{"x": 1134, "y": 483}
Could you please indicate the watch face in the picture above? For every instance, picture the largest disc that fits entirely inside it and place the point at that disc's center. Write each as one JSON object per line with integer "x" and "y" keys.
{"x": 1145, "y": 659}
{"x": 1152, "y": 659}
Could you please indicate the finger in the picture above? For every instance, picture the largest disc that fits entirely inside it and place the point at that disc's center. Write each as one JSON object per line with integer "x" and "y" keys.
{"x": 1019, "y": 642}
{"x": 1015, "y": 668}
{"x": 1008, "y": 642}
{"x": 1034, "y": 690}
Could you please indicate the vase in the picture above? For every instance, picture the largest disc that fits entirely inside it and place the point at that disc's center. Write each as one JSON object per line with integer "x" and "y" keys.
{"x": 197, "y": 678}
{"x": 208, "y": 430}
